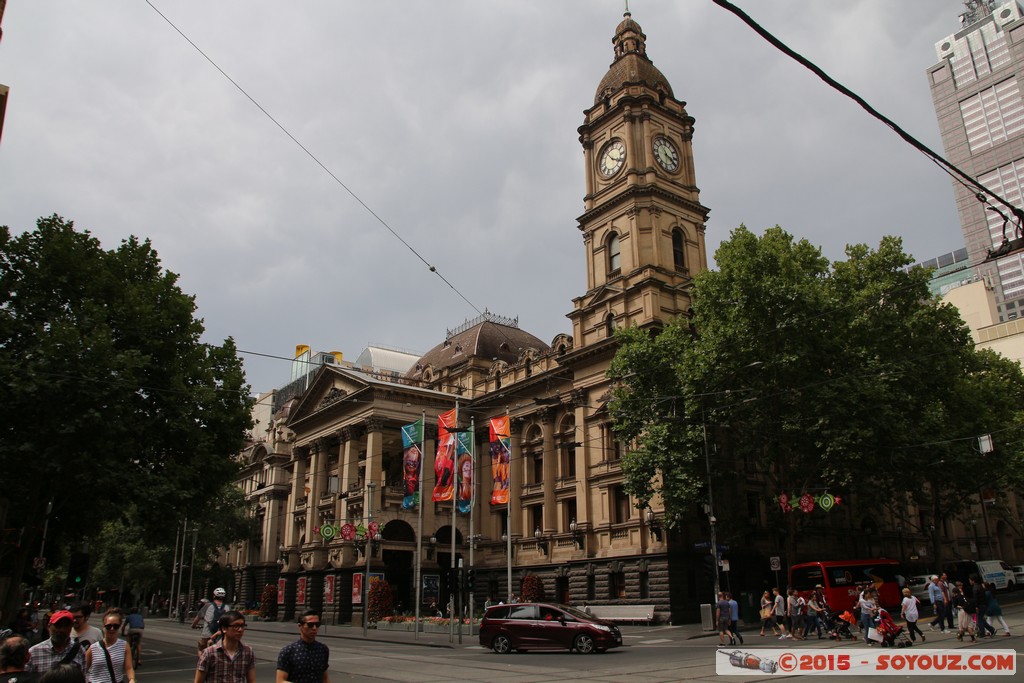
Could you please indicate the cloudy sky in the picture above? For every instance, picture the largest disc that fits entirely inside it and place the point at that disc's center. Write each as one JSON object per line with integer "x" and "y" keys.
{"x": 455, "y": 122}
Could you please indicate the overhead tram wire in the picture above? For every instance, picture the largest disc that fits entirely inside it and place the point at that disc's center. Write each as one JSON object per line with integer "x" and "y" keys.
{"x": 947, "y": 166}
{"x": 317, "y": 161}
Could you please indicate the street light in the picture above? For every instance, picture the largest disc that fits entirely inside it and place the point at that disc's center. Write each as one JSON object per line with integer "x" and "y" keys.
{"x": 541, "y": 542}
{"x": 577, "y": 536}
{"x": 711, "y": 500}
{"x": 653, "y": 525}
{"x": 366, "y": 577}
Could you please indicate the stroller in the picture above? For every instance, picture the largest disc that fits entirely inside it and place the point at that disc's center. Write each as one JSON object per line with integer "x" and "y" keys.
{"x": 893, "y": 635}
{"x": 841, "y": 624}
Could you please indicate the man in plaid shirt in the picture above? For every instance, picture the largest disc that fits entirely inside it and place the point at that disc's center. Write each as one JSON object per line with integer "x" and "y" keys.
{"x": 57, "y": 647}
{"x": 230, "y": 660}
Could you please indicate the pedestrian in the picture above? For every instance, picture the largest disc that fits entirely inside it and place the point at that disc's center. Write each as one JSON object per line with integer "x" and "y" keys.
{"x": 795, "y": 615}
{"x": 994, "y": 610}
{"x": 63, "y": 673}
{"x": 108, "y": 660}
{"x": 868, "y": 610}
{"x": 734, "y": 618}
{"x": 768, "y": 614}
{"x": 813, "y": 619}
{"x": 909, "y": 610}
{"x": 939, "y": 601}
{"x": 963, "y": 609}
{"x": 305, "y": 660}
{"x": 230, "y": 660}
{"x": 722, "y": 617}
{"x": 58, "y": 648}
{"x": 81, "y": 630}
{"x": 13, "y": 658}
{"x": 208, "y": 618}
{"x": 947, "y": 588}
{"x": 779, "y": 606}
{"x": 981, "y": 606}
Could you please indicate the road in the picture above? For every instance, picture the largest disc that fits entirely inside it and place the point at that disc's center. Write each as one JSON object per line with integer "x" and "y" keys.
{"x": 651, "y": 655}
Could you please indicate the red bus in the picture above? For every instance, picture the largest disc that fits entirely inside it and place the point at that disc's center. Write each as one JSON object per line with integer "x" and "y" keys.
{"x": 842, "y": 580}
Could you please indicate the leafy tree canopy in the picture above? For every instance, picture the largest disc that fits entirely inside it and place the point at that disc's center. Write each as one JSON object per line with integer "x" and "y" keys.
{"x": 113, "y": 402}
{"x": 812, "y": 375}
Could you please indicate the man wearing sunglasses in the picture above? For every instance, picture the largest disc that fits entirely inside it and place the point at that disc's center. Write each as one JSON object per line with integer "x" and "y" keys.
{"x": 305, "y": 660}
{"x": 230, "y": 660}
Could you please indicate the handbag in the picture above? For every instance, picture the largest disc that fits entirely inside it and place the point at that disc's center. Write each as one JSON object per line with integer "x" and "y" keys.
{"x": 766, "y": 612}
{"x": 110, "y": 664}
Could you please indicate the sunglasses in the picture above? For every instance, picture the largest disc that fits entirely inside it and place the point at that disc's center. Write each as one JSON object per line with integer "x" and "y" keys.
{"x": 236, "y": 625}
{"x": 312, "y": 624}
{"x": 111, "y": 627}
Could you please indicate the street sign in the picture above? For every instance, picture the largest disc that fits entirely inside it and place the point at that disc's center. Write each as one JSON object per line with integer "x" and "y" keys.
{"x": 38, "y": 563}
{"x": 725, "y": 565}
{"x": 776, "y": 563}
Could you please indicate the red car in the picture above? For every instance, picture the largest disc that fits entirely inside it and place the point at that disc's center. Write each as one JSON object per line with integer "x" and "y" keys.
{"x": 538, "y": 626}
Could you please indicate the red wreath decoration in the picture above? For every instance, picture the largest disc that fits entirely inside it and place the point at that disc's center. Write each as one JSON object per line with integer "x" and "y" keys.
{"x": 807, "y": 503}
{"x": 348, "y": 532}
{"x": 784, "y": 502}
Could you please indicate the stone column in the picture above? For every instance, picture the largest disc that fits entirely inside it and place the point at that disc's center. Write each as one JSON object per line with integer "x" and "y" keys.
{"x": 583, "y": 459}
{"x": 298, "y": 492}
{"x": 550, "y": 450}
{"x": 348, "y": 471}
{"x": 316, "y": 484}
{"x": 374, "y": 463}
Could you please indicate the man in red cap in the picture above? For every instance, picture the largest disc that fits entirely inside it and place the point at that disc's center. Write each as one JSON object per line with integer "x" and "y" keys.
{"x": 59, "y": 649}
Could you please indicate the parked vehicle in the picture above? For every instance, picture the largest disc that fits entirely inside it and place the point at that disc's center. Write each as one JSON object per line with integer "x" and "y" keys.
{"x": 842, "y": 580}
{"x": 1018, "y": 574}
{"x": 996, "y": 572}
{"x": 539, "y": 626}
{"x": 918, "y": 586}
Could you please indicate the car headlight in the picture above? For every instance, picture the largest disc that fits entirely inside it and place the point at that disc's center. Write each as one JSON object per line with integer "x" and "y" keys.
{"x": 602, "y": 627}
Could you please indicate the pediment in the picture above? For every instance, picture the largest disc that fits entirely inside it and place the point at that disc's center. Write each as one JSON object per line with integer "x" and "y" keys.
{"x": 600, "y": 295}
{"x": 329, "y": 386}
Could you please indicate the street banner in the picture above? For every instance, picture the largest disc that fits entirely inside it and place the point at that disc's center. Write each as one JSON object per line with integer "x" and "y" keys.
{"x": 501, "y": 451}
{"x": 464, "y": 455}
{"x": 444, "y": 460}
{"x": 412, "y": 462}
{"x": 329, "y": 589}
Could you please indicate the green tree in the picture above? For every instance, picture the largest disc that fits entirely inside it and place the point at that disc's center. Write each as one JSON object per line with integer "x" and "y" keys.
{"x": 112, "y": 397}
{"x": 812, "y": 377}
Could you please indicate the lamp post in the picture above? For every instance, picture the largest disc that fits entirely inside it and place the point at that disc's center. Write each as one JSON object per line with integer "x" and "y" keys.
{"x": 542, "y": 544}
{"x": 366, "y": 576}
{"x": 577, "y": 535}
{"x": 711, "y": 503}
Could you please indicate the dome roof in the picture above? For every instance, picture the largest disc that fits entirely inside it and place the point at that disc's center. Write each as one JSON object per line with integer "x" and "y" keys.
{"x": 631, "y": 63}
{"x": 488, "y": 337}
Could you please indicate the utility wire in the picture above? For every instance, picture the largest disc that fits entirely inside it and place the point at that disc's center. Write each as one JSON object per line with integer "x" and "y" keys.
{"x": 947, "y": 166}
{"x": 317, "y": 161}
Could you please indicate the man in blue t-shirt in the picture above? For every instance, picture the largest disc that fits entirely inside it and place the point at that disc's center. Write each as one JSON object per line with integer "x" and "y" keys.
{"x": 305, "y": 660}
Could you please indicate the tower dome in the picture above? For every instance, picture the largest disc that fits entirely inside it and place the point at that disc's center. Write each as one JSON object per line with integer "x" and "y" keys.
{"x": 631, "y": 63}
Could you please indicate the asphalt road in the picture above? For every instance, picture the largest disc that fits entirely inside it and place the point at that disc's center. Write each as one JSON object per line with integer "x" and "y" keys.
{"x": 656, "y": 654}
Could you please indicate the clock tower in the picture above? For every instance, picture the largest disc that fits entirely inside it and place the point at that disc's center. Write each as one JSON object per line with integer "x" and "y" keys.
{"x": 643, "y": 225}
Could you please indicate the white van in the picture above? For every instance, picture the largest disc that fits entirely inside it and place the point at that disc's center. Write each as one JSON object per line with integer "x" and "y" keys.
{"x": 998, "y": 573}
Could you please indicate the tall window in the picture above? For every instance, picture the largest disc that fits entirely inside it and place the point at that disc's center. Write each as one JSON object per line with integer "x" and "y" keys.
{"x": 609, "y": 324}
{"x": 616, "y": 585}
{"x": 614, "y": 256}
{"x": 620, "y": 505}
{"x": 678, "y": 251}
{"x": 536, "y": 518}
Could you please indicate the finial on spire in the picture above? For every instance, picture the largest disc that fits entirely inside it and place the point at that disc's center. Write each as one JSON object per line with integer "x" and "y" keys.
{"x": 627, "y": 14}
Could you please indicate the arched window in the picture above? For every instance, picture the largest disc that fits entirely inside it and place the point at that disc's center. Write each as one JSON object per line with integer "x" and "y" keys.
{"x": 609, "y": 324}
{"x": 678, "y": 250}
{"x": 614, "y": 256}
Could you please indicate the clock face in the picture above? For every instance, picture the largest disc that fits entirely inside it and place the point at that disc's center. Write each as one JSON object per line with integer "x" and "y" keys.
{"x": 613, "y": 156}
{"x": 665, "y": 154}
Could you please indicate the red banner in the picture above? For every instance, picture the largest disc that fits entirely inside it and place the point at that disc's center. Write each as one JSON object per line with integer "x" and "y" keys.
{"x": 280, "y": 591}
{"x": 444, "y": 460}
{"x": 501, "y": 444}
{"x": 329, "y": 589}
{"x": 300, "y": 591}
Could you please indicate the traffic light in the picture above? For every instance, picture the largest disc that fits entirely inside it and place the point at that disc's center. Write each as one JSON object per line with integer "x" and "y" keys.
{"x": 453, "y": 579}
{"x": 709, "y": 567}
{"x": 470, "y": 580}
{"x": 78, "y": 571}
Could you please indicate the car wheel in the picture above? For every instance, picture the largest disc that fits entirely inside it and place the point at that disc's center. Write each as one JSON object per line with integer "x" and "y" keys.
{"x": 583, "y": 644}
{"x": 501, "y": 645}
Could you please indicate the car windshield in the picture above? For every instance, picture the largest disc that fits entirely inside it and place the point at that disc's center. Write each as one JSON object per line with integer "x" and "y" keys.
{"x": 579, "y": 614}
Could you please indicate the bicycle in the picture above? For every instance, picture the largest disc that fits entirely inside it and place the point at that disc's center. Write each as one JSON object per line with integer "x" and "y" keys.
{"x": 134, "y": 639}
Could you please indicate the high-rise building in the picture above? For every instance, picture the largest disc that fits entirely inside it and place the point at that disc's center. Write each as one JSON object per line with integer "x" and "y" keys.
{"x": 976, "y": 88}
